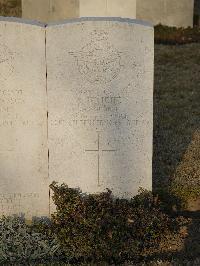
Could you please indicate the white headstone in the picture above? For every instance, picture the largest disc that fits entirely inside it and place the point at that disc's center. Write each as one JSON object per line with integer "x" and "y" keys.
{"x": 100, "y": 100}
{"x": 178, "y": 13}
{"x": 50, "y": 10}
{"x": 23, "y": 119}
{"x": 54, "y": 10}
{"x": 107, "y": 8}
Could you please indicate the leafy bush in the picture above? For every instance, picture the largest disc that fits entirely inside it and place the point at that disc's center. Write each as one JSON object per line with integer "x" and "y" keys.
{"x": 20, "y": 242}
{"x": 173, "y": 35}
{"x": 10, "y": 8}
{"x": 101, "y": 228}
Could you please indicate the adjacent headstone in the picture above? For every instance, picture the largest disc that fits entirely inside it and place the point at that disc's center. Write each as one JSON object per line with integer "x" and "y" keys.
{"x": 108, "y": 8}
{"x": 100, "y": 91}
{"x": 23, "y": 120}
{"x": 177, "y": 13}
{"x": 54, "y": 10}
{"x": 50, "y": 10}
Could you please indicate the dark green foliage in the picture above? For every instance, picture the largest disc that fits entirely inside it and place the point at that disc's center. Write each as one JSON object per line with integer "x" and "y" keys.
{"x": 10, "y": 8}
{"x": 173, "y": 35}
{"x": 22, "y": 243}
{"x": 101, "y": 228}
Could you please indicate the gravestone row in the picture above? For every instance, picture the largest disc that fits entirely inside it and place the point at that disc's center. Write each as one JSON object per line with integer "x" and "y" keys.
{"x": 177, "y": 13}
{"x": 52, "y": 10}
{"x": 76, "y": 107}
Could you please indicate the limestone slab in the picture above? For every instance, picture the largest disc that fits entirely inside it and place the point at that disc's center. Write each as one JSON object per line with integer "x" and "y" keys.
{"x": 64, "y": 9}
{"x": 177, "y": 13}
{"x": 54, "y": 10}
{"x": 36, "y": 10}
{"x": 23, "y": 119}
{"x": 50, "y": 10}
{"x": 108, "y": 8}
{"x": 100, "y": 104}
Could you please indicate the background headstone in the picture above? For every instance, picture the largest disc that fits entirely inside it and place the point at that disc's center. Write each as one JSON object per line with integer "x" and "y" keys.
{"x": 54, "y": 10}
{"x": 100, "y": 91}
{"x": 177, "y": 13}
{"x": 23, "y": 120}
{"x": 50, "y": 10}
{"x": 108, "y": 8}
{"x": 63, "y": 9}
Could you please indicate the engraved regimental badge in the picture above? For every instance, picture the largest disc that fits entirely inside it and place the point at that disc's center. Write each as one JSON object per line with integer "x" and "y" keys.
{"x": 98, "y": 61}
{"x": 6, "y": 62}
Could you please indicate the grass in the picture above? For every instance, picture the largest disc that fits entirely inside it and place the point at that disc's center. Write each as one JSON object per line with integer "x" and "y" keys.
{"x": 173, "y": 35}
{"x": 177, "y": 118}
{"x": 176, "y": 162}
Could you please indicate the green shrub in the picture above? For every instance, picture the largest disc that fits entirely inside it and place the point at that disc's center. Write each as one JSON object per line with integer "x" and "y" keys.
{"x": 173, "y": 35}
{"x": 22, "y": 243}
{"x": 10, "y": 8}
{"x": 101, "y": 228}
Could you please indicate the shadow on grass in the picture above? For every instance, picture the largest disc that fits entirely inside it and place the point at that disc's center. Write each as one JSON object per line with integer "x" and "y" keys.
{"x": 190, "y": 254}
{"x": 192, "y": 242}
{"x": 176, "y": 108}
{"x": 177, "y": 131}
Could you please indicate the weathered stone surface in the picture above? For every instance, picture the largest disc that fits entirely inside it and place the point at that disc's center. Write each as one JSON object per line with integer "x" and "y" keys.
{"x": 53, "y": 10}
{"x": 100, "y": 91}
{"x": 64, "y": 9}
{"x": 177, "y": 13}
{"x": 36, "y": 10}
{"x": 50, "y": 10}
{"x": 23, "y": 123}
{"x": 98, "y": 95}
{"x": 108, "y": 8}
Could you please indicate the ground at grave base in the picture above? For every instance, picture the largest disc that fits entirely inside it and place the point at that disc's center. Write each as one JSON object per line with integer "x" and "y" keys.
{"x": 176, "y": 163}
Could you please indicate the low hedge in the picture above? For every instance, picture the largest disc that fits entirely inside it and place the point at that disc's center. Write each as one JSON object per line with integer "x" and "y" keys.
{"x": 173, "y": 35}
{"x": 101, "y": 228}
{"x": 10, "y": 8}
{"x": 21, "y": 243}
{"x": 88, "y": 228}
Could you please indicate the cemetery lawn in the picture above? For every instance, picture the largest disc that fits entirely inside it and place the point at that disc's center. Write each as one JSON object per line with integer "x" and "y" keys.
{"x": 176, "y": 163}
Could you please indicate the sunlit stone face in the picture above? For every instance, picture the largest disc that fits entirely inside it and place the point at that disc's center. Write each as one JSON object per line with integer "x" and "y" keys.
{"x": 100, "y": 89}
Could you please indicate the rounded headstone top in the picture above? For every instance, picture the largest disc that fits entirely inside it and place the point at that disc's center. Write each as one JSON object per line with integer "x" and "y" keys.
{"x": 76, "y": 20}
{"x": 22, "y": 21}
{"x": 117, "y": 19}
